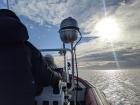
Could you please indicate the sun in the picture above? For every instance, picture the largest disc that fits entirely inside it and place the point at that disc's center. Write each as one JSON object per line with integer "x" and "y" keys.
{"x": 108, "y": 29}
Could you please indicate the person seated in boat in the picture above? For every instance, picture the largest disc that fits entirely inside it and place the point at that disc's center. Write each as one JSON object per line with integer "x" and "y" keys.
{"x": 50, "y": 64}
{"x": 42, "y": 73}
{"x": 21, "y": 64}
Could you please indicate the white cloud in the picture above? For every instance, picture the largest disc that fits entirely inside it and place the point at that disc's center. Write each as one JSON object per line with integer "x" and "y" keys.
{"x": 53, "y": 11}
{"x": 128, "y": 18}
{"x": 88, "y": 13}
{"x": 40, "y": 11}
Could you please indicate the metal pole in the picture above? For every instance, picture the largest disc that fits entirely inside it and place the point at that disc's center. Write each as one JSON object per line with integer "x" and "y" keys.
{"x": 72, "y": 60}
{"x": 73, "y": 69}
{"x": 8, "y": 4}
{"x": 64, "y": 58}
{"x": 65, "y": 64}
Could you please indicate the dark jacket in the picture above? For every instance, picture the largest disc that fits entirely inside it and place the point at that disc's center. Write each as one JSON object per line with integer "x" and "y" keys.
{"x": 20, "y": 63}
{"x": 41, "y": 74}
{"x": 16, "y": 80}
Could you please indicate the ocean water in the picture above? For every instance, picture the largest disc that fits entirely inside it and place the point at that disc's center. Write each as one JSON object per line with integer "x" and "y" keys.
{"x": 121, "y": 87}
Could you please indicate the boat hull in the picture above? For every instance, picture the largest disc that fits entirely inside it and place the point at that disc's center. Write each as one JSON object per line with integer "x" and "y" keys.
{"x": 84, "y": 93}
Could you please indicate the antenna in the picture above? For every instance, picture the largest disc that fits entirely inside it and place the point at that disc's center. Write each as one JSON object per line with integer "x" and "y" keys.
{"x": 8, "y": 4}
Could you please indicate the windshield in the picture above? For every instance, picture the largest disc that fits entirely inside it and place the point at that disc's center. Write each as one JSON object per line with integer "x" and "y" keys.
{"x": 110, "y": 30}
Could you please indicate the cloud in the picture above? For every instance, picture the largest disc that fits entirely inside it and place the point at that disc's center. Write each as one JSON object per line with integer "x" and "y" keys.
{"x": 41, "y": 11}
{"x": 53, "y": 11}
{"x": 99, "y": 54}
{"x": 93, "y": 51}
{"x": 87, "y": 12}
{"x": 127, "y": 59}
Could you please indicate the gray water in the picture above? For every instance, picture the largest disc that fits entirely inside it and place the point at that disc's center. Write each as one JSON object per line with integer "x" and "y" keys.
{"x": 121, "y": 87}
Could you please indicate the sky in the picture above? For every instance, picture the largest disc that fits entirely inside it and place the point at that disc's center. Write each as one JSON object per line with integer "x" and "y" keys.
{"x": 110, "y": 29}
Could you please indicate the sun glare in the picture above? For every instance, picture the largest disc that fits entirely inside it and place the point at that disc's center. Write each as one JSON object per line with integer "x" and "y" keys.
{"x": 110, "y": 72}
{"x": 108, "y": 29}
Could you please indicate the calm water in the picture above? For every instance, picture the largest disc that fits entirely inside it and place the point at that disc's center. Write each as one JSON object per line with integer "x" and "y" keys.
{"x": 122, "y": 87}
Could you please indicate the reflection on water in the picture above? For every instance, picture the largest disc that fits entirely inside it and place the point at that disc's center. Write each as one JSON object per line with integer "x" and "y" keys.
{"x": 122, "y": 87}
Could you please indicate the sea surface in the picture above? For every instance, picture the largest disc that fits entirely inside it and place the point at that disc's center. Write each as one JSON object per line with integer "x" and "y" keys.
{"x": 121, "y": 87}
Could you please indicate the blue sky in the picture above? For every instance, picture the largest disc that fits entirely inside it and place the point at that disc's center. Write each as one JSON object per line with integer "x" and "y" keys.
{"x": 42, "y": 36}
{"x": 110, "y": 28}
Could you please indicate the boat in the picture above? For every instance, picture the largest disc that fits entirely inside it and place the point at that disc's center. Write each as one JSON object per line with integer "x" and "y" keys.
{"x": 74, "y": 90}
{"x": 87, "y": 94}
